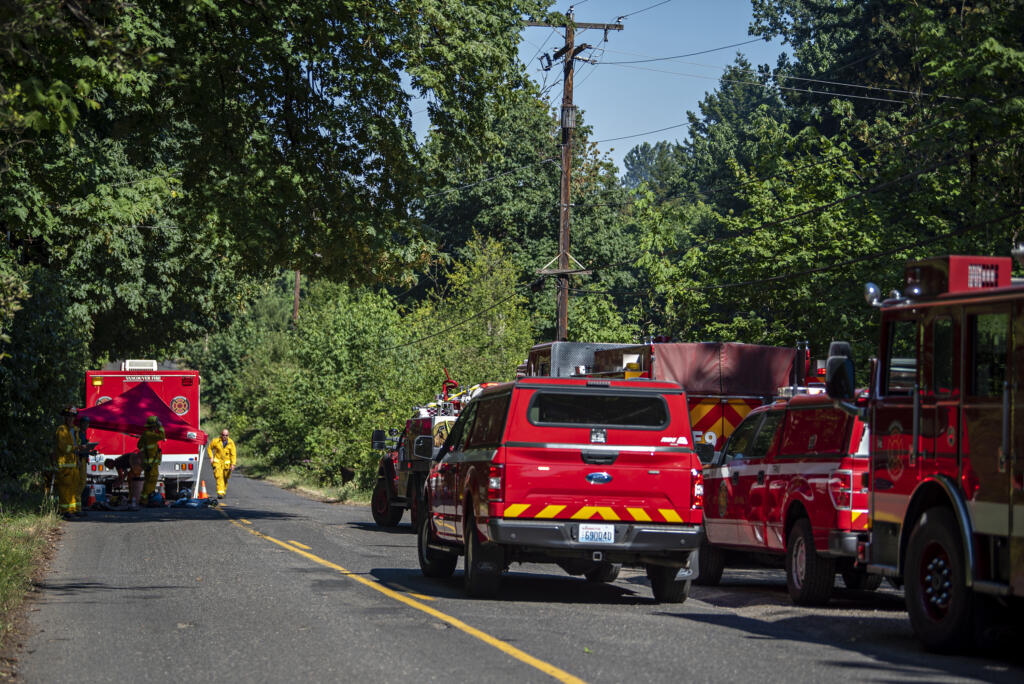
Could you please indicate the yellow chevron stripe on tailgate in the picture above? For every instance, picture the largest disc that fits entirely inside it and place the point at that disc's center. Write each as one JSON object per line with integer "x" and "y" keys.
{"x": 639, "y": 514}
{"x": 585, "y": 513}
{"x": 670, "y": 515}
{"x": 515, "y": 509}
{"x": 550, "y": 511}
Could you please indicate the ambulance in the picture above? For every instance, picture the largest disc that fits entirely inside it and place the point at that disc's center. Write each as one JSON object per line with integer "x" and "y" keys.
{"x": 946, "y": 413}
{"x": 178, "y": 389}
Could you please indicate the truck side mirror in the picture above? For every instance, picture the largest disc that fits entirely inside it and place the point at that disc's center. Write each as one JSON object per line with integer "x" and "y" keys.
{"x": 378, "y": 440}
{"x": 423, "y": 447}
{"x": 839, "y": 382}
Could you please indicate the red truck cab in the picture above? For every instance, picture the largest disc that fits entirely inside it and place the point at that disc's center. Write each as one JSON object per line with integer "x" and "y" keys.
{"x": 791, "y": 482}
{"x": 586, "y": 473}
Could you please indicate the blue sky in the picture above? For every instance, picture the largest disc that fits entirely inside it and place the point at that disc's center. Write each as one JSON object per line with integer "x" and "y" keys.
{"x": 624, "y": 100}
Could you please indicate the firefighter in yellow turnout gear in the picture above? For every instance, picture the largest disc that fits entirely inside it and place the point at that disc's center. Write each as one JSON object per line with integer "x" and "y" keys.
{"x": 65, "y": 460}
{"x": 222, "y": 456}
{"x": 149, "y": 448}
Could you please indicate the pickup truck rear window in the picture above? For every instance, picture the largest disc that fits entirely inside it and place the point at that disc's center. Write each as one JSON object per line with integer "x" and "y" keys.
{"x": 640, "y": 411}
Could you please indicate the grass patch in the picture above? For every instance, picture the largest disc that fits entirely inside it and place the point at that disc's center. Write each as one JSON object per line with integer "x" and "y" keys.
{"x": 26, "y": 521}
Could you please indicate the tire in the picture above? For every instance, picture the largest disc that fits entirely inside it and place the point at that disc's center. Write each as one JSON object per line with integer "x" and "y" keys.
{"x": 384, "y": 514}
{"x": 603, "y": 573}
{"x": 809, "y": 577}
{"x": 665, "y": 587}
{"x": 941, "y": 606}
{"x": 711, "y": 565}
{"x": 433, "y": 563}
{"x": 859, "y": 580}
{"x": 483, "y": 564}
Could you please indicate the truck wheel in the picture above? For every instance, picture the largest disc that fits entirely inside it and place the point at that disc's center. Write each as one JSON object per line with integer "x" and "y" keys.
{"x": 711, "y": 565}
{"x": 941, "y": 606}
{"x": 433, "y": 563}
{"x": 809, "y": 577}
{"x": 859, "y": 580}
{"x": 483, "y": 564}
{"x": 384, "y": 514}
{"x": 603, "y": 572}
{"x": 665, "y": 587}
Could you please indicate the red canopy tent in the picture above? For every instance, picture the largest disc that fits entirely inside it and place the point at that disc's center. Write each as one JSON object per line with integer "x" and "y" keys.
{"x": 128, "y": 413}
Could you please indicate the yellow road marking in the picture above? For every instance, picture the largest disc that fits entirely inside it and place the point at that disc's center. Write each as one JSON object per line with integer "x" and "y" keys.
{"x": 247, "y": 522}
{"x": 422, "y": 597}
{"x": 639, "y": 514}
{"x": 515, "y": 509}
{"x": 670, "y": 515}
{"x": 550, "y": 511}
{"x": 300, "y": 545}
{"x": 503, "y": 646}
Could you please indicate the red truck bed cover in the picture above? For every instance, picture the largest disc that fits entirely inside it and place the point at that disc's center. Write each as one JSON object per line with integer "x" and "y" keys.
{"x": 719, "y": 368}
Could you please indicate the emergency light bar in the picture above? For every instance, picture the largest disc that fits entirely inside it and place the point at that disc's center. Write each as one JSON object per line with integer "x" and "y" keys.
{"x": 954, "y": 273}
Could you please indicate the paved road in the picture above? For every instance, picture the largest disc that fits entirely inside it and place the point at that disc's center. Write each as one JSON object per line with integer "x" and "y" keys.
{"x": 274, "y": 587}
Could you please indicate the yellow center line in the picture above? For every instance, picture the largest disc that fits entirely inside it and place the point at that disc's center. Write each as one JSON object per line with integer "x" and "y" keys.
{"x": 504, "y": 647}
{"x": 247, "y": 522}
{"x": 422, "y": 597}
{"x": 299, "y": 544}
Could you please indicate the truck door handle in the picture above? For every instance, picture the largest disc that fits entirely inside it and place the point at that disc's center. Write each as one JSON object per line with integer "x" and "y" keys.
{"x": 735, "y": 477}
{"x": 760, "y": 477}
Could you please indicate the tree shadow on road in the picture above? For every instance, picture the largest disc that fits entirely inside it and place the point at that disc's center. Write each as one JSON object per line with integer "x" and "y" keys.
{"x": 173, "y": 513}
{"x": 522, "y": 587}
{"x": 887, "y": 638}
{"x": 103, "y": 591}
{"x": 362, "y": 526}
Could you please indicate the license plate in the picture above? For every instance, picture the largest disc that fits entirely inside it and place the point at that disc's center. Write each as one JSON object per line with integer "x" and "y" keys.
{"x": 597, "y": 534}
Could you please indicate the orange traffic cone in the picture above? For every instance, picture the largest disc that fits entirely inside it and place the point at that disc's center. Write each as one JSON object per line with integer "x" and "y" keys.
{"x": 202, "y": 490}
{"x": 90, "y": 496}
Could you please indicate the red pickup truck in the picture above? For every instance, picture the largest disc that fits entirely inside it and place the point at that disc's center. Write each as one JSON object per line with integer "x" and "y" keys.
{"x": 588, "y": 474}
{"x": 791, "y": 482}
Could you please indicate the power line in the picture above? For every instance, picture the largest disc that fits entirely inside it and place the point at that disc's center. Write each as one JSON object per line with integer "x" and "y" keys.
{"x": 637, "y": 135}
{"x": 461, "y": 323}
{"x": 819, "y": 269}
{"x": 730, "y": 185}
{"x": 688, "y": 54}
{"x": 766, "y": 85}
{"x": 829, "y": 205}
{"x": 778, "y": 76}
{"x": 489, "y": 178}
{"x": 657, "y": 4}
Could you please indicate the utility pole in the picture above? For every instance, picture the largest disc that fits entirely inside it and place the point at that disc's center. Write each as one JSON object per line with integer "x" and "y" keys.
{"x": 568, "y": 53}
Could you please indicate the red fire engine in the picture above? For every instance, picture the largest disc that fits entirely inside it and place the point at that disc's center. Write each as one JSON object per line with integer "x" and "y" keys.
{"x": 401, "y": 476}
{"x": 178, "y": 389}
{"x": 946, "y": 412}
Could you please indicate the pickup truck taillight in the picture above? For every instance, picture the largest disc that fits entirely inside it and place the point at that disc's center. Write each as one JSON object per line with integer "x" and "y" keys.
{"x": 496, "y": 483}
{"x": 840, "y": 489}
{"x": 697, "y": 489}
